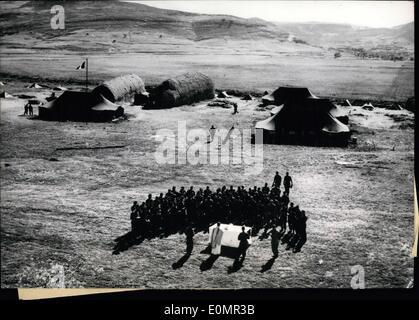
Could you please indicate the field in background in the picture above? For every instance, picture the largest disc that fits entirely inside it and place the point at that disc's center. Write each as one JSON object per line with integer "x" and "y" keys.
{"x": 240, "y": 66}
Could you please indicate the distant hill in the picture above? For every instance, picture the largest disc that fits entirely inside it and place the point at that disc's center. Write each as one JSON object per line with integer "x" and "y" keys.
{"x": 348, "y": 35}
{"x": 32, "y": 18}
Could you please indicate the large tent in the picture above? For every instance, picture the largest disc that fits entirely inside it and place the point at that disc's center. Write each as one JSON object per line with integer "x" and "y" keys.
{"x": 302, "y": 118}
{"x": 184, "y": 89}
{"x": 121, "y": 87}
{"x": 80, "y": 106}
{"x": 226, "y": 236}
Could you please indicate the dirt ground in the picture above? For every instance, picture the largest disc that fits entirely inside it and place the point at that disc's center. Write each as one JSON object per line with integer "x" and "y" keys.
{"x": 65, "y": 214}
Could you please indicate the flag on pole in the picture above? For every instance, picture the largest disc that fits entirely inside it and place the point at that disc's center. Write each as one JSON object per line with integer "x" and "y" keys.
{"x": 82, "y": 66}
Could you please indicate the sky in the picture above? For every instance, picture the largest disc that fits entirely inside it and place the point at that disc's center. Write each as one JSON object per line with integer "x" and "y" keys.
{"x": 361, "y": 13}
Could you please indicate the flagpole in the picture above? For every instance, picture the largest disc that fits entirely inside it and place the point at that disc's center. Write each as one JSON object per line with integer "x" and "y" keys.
{"x": 87, "y": 73}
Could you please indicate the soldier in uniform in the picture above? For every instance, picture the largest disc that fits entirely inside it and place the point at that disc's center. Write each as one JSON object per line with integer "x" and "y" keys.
{"x": 275, "y": 235}
{"x": 244, "y": 244}
{"x": 287, "y": 184}
{"x": 189, "y": 239}
{"x": 277, "y": 181}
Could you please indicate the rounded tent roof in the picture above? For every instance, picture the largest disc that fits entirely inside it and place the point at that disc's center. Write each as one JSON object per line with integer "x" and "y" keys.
{"x": 120, "y": 87}
{"x": 183, "y": 89}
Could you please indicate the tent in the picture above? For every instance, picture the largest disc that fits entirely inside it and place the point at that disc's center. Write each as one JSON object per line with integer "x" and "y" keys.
{"x": 80, "y": 106}
{"x": 247, "y": 97}
{"x": 227, "y": 236}
{"x": 104, "y": 110}
{"x": 184, "y": 89}
{"x": 35, "y": 86}
{"x": 5, "y": 95}
{"x": 223, "y": 94}
{"x": 122, "y": 87}
{"x": 141, "y": 99}
{"x": 59, "y": 88}
{"x": 275, "y": 110}
{"x": 287, "y": 94}
{"x": 303, "y": 118}
{"x": 368, "y": 106}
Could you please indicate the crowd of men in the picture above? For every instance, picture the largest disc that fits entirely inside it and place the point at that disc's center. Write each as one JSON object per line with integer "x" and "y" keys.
{"x": 185, "y": 209}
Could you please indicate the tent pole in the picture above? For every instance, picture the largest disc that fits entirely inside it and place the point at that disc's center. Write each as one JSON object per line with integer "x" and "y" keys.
{"x": 87, "y": 73}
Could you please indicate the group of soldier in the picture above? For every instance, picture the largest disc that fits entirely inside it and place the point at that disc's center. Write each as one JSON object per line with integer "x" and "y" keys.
{"x": 190, "y": 211}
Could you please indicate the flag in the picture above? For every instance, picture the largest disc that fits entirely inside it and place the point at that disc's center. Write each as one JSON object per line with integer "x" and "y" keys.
{"x": 82, "y": 66}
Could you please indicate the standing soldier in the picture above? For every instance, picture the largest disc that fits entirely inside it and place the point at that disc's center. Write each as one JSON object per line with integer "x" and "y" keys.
{"x": 275, "y": 235}
{"x": 235, "y": 108}
{"x": 301, "y": 231}
{"x": 277, "y": 181}
{"x": 189, "y": 240}
{"x": 283, "y": 219}
{"x": 133, "y": 217}
{"x": 287, "y": 184}
{"x": 26, "y": 109}
{"x": 244, "y": 244}
{"x": 30, "y": 109}
{"x": 291, "y": 218}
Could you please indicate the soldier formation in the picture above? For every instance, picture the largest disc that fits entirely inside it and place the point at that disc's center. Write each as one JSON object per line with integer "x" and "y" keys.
{"x": 185, "y": 209}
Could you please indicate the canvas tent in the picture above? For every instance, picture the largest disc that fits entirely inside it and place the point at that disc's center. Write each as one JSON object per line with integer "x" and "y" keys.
{"x": 368, "y": 106}
{"x": 59, "y": 88}
{"x": 223, "y": 94}
{"x": 184, "y": 89}
{"x": 226, "y": 236}
{"x": 35, "y": 86}
{"x": 289, "y": 94}
{"x": 80, "y": 106}
{"x": 303, "y": 118}
{"x": 121, "y": 87}
{"x": 141, "y": 99}
{"x": 5, "y": 95}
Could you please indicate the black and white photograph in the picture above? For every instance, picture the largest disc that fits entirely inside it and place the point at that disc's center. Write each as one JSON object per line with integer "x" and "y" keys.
{"x": 207, "y": 144}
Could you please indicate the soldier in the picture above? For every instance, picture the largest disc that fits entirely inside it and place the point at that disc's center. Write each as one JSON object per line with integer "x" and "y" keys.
{"x": 189, "y": 240}
{"x": 235, "y": 108}
{"x": 26, "y": 109}
{"x": 244, "y": 244}
{"x": 133, "y": 216}
{"x": 190, "y": 193}
{"x": 207, "y": 191}
{"x": 277, "y": 181}
{"x": 288, "y": 184}
{"x": 30, "y": 109}
{"x": 149, "y": 201}
{"x": 291, "y": 216}
{"x": 301, "y": 231}
{"x": 174, "y": 192}
{"x": 275, "y": 235}
{"x": 283, "y": 219}
{"x": 284, "y": 199}
{"x": 265, "y": 189}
